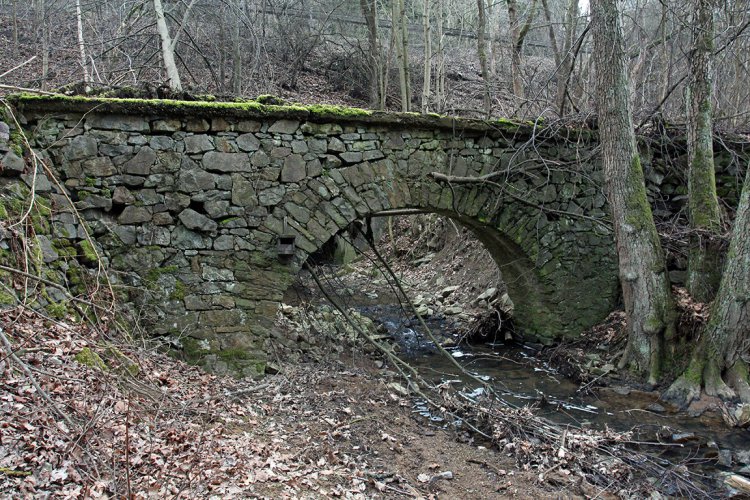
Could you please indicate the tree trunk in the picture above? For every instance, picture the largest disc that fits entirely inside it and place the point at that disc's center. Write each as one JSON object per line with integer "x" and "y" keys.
{"x": 646, "y": 293}
{"x": 82, "y": 47}
{"x": 440, "y": 62}
{"x": 15, "y": 27}
{"x": 482, "y": 53}
{"x": 42, "y": 13}
{"x": 551, "y": 31}
{"x": 167, "y": 48}
{"x": 518, "y": 34}
{"x": 727, "y": 333}
{"x": 566, "y": 65}
{"x": 427, "y": 76}
{"x": 370, "y": 13}
{"x": 704, "y": 258}
{"x": 237, "y": 50}
{"x": 402, "y": 54}
{"x": 405, "y": 52}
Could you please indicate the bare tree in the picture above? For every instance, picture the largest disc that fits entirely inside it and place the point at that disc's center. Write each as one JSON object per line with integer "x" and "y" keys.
{"x": 704, "y": 258}
{"x": 645, "y": 287}
{"x": 518, "y": 35}
{"x": 167, "y": 48}
{"x": 482, "y": 53}
{"x": 82, "y": 47}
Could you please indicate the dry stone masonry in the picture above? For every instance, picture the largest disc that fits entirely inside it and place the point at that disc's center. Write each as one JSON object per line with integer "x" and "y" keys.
{"x": 189, "y": 201}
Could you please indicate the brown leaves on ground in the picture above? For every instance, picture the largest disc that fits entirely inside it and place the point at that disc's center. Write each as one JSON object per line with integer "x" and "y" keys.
{"x": 171, "y": 430}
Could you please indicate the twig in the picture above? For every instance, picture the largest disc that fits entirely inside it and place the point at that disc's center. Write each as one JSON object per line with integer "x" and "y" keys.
{"x": 32, "y": 379}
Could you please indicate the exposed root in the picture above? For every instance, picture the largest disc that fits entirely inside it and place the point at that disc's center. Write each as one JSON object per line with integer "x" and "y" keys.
{"x": 737, "y": 376}
{"x": 683, "y": 391}
{"x": 714, "y": 384}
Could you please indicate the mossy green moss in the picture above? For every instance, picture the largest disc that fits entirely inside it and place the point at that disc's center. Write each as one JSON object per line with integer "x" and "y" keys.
{"x": 57, "y": 310}
{"x": 153, "y": 275}
{"x": 3, "y": 212}
{"x": 179, "y": 292}
{"x": 7, "y": 299}
{"x": 89, "y": 254}
{"x": 91, "y": 359}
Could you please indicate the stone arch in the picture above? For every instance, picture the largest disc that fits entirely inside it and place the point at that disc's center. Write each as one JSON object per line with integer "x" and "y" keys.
{"x": 560, "y": 273}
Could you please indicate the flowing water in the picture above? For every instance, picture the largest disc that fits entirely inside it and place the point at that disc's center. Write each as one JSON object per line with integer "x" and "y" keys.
{"x": 704, "y": 442}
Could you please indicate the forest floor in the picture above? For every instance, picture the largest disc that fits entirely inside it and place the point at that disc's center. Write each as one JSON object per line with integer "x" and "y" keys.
{"x": 95, "y": 418}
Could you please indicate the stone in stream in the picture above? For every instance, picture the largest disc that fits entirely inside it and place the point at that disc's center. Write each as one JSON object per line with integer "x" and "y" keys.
{"x": 684, "y": 437}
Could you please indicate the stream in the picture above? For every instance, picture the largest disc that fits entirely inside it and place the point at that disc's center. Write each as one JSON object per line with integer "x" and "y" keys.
{"x": 704, "y": 443}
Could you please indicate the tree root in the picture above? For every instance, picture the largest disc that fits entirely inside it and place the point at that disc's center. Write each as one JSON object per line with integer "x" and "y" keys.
{"x": 713, "y": 383}
{"x": 683, "y": 391}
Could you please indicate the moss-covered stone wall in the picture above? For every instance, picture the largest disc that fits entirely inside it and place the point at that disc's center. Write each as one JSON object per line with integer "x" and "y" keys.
{"x": 187, "y": 202}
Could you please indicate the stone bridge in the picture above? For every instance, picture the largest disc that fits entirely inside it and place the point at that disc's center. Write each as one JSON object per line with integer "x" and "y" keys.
{"x": 190, "y": 201}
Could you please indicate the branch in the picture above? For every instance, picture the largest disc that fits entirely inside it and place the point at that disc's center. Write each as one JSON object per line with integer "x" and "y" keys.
{"x": 18, "y": 67}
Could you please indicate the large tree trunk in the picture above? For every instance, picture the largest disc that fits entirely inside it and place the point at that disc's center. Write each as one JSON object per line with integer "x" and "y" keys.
{"x": 551, "y": 32}
{"x": 440, "y": 60}
{"x": 167, "y": 48}
{"x": 704, "y": 258}
{"x": 646, "y": 293}
{"x": 727, "y": 334}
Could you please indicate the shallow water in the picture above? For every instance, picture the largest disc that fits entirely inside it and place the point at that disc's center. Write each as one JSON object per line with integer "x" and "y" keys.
{"x": 522, "y": 380}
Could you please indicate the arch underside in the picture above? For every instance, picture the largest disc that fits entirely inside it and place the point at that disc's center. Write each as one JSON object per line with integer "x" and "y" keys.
{"x": 559, "y": 273}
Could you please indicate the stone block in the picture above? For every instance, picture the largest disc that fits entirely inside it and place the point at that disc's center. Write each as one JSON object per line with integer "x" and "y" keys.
{"x": 128, "y": 123}
{"x": 271, "y": 196}
{"x": 198, "y": 144}
{"x": 226, "y": 162}
{"x": 168, "y": 125}
{"x": 294, "y": 169}
{"x": 195, "y": 180}
{"x": 161, "y": 143}
{"x": 197, "y": 125}
{"x": 184, "y": 239}
{"x": 197, "y": 221}
{"x": 351, "y": 157}
{"x": 284, "y": 127}
{"x": 141, "y": 163}
{"x": 81, "y": 147}
{"x": 243, "y": 192}
{"x": 248, "y": 126}
{"x": 98, "y": 167}
{"x": 134, "y": 215}
{"x": 335, "y": 145}
{"x": 248, "y": 142}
